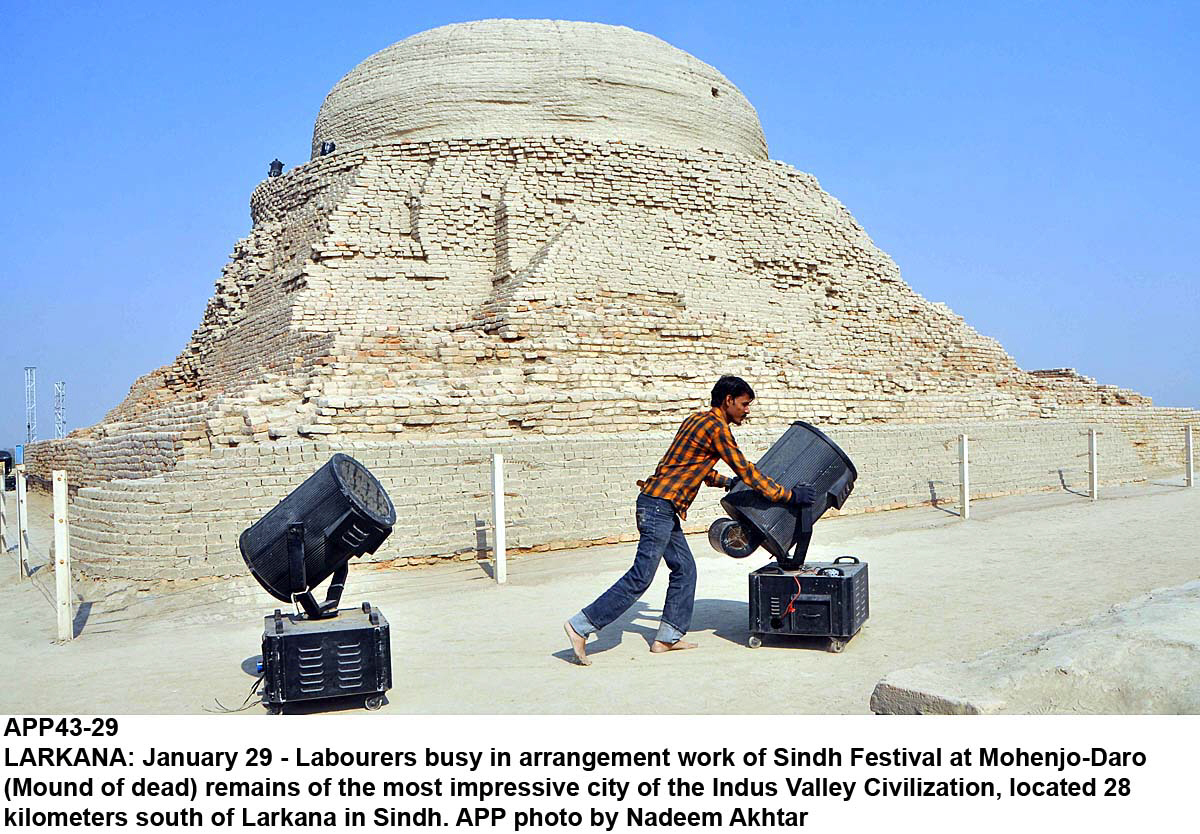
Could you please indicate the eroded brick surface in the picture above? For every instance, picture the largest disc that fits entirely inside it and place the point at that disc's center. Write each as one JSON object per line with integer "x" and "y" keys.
{"x": 567, "y": 299}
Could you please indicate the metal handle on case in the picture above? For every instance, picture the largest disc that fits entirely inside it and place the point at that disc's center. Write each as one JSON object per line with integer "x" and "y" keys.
{"x": 853, "y": 559}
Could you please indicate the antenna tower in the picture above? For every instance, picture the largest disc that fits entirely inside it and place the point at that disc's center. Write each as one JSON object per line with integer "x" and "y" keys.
{"x": 30, "y": 405}
{"x": 60, "y": 410}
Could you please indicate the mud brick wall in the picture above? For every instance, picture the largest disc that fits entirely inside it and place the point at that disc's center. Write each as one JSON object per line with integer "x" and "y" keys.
{"x": 560, "y": 492}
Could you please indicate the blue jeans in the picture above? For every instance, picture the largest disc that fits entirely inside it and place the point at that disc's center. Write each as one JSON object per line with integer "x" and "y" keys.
{"x": 661, "y": 538}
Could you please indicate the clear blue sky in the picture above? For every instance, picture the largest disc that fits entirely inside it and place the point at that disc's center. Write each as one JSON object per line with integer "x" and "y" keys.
{"x": 1033, "y": 165}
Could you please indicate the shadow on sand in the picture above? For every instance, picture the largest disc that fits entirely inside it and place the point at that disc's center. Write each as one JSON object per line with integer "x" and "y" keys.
{"x": 726, "y": 618}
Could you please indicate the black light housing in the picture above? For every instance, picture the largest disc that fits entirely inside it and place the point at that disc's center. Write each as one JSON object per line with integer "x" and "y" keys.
{"x": 339, "y": 512}
{"x": 803, "y": 455}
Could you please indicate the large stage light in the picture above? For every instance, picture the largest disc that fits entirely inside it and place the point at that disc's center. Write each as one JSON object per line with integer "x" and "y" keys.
{"x": 803, "y": 455}
{"x": 788, "y": 597}
{"x": 340, "y": 512}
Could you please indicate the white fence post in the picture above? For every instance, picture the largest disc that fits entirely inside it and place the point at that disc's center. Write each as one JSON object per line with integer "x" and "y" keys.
{"x": 22, "y": 522}
{"x": 1189, "y": 470}
{"x": 62, "y": 557}
{"x": 3, "y": 514}
{"x": 964, "y": 478}
{"x": 1093, "y": 467}
{"x": 498, "y": 518}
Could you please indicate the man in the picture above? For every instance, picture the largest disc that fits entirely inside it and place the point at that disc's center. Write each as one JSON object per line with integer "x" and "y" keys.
{"x": 663, "y": 501}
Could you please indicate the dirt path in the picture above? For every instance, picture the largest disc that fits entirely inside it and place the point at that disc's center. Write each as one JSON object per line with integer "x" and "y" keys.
{"x": 940, "y": 589}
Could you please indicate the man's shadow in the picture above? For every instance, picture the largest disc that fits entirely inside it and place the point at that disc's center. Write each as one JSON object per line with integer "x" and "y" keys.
{"x": 726, "y": 618}
{"x": 729, "y": 619}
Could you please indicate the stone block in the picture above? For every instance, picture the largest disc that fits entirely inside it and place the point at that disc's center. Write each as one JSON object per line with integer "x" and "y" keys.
{"x": 1140, "y": 657}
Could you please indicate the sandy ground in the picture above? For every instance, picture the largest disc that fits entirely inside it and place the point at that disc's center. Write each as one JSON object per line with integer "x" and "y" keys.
{"x": 940, "y": 589}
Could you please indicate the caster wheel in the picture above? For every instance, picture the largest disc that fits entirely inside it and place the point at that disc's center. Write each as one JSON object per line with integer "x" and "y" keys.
{"x": 836, "y": 646}
{"x": 275, "y": 709}
{"x": 374, "y": 702}
{"x": 754, "y": 642}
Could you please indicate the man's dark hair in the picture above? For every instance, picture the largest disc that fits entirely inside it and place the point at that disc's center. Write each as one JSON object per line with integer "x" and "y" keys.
{"x": 730, "y": 386}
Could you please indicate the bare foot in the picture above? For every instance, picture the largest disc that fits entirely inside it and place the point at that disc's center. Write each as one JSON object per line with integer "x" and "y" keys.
{"x": 578, "y": 645}
{"x": 658, "y": 646}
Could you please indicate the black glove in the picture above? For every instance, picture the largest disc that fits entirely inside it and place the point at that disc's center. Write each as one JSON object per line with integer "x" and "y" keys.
{"x": 802, "y": 495}
{"x": 734, "y": 481}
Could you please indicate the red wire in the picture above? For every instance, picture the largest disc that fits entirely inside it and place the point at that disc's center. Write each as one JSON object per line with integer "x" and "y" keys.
{"x": 792, "y": 602}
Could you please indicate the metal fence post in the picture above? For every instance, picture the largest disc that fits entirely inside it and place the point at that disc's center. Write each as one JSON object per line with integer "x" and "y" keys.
{"x": 1093, "y": 468}
{"x": 498, "y": 518}
{"x": 1189, "y": 470}
{"x": 22, "y": 523}
{"x": 964, "y": 478}
{"x": 62, "y": 557}
{"x": 3, "y": 514}
{"x": 1189, "y": 474}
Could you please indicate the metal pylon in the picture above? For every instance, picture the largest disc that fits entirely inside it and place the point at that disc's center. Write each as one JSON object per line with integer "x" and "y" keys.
{"x": 30, "y": 405}
{"x": 60, "y": 410}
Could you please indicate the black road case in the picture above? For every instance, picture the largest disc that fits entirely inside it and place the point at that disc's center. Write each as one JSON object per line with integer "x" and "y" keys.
{"x": 821, "y": 599}
{"x": 305, "y": 659}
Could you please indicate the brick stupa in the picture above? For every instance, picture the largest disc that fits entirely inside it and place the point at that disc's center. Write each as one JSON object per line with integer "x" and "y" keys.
{"x": 548, "y": 239}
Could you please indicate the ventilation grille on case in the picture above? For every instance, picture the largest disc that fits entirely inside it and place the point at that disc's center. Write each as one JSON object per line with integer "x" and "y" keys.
{"x": 311, "y": 663}
{"x": 860, "y": 600}
{"x": 349, "y": 665}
